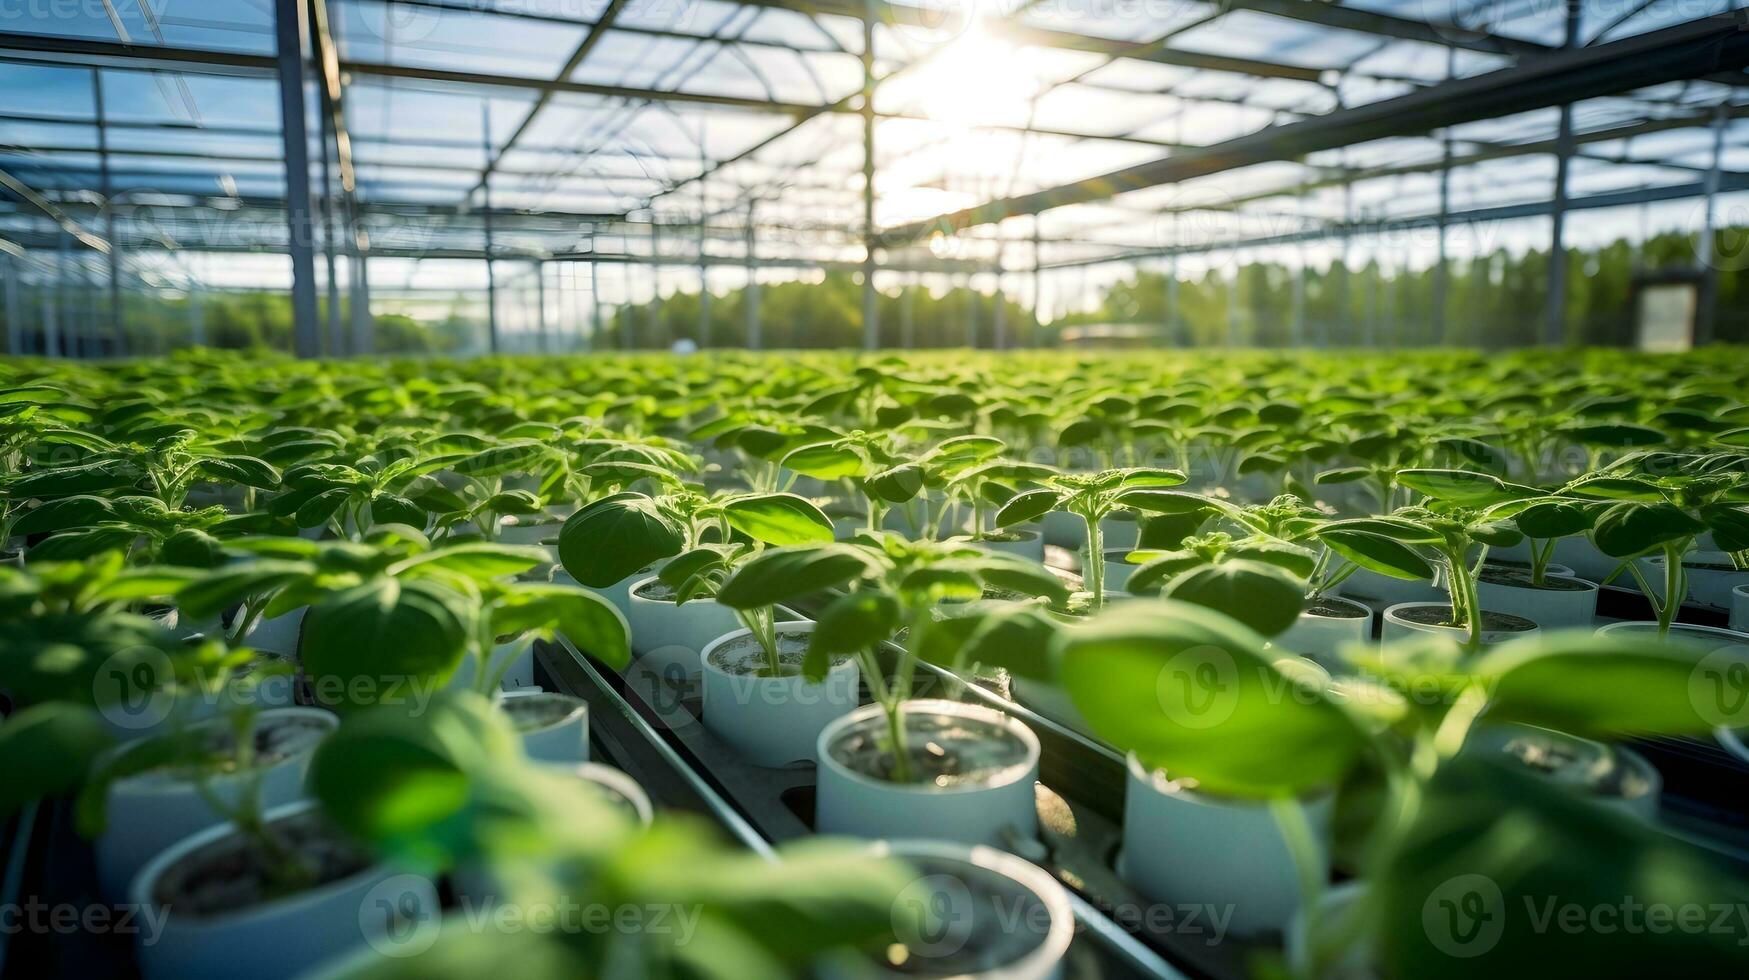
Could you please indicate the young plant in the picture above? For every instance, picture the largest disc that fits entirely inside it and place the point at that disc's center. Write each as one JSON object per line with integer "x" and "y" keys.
{"x": 1258, "y": 581}
{"x": 1441, "y": 814}
{"x": 888, "y": 584}
{"x": 1091, "y": 497}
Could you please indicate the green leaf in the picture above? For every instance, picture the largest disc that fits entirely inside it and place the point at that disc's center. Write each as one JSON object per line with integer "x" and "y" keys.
{"x": 1341, "y": 474}
{"x": 193, "y": 548}
{"x": 826, "y": 461}
{"x": 321, "y": 508}
{"x": 243, "y": 471}
{"x": 590, "y": 622}
{"x": 1615, "y": 435}
{"x": 1264, "y": 597}
{"x": 896, "y": 485}
{"x": 1192, "y": 692}
{"x": 1459, "y": 486}
{"x": 1617, "y": 684}
{"x": 1729, "y": 524}
{"x": 67, "y": 481}
{"x": 853, "y": 622}
{"x": 1029, "y": 505}
{"x": 389, "y": 508}
{"x": 1376, "y": 553}
{"x": 1017, "y": 637}
{"x": 1012, "y": 573}
{"x": 1553, "y": 519}
{"x": 79, "y": 545}
{"x": 384, "y": 641}
{"x": 482, "y": 561}
{"x": 1629, "y": 529}
{"x": 779, "y": 519}
{"x": 82, "y": 510}
{"x": 49, "y": 750}
{"x": 1148, "y": 478}
{"x": 785, "y": 574}
{"x": 614, "y": 537}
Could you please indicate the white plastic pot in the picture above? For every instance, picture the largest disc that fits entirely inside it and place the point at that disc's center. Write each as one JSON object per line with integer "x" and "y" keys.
{"x": 1180, "y": 845}
{"x": 1551, "y": 608}
{"x": 980, "y": 897}
{"x": 1063, "y": 529}
{"x": 774, "y": 721}
{"x": 153, "y": 810}
{"x": 1323, "y": 637}
{"x": 1382, "y": 591}
{"x": 1120, "y": 529}
{"x": 1050, "y": 701}
{"x": 520, "y": 653}
{"x": 565, "y": 740}
{"x": 994, "y": 812}
{"x": 1397, "y": 628}
{"x": 619, "y": 593}
{"x": 668, "y": 638}
{"x": 1740, "y": 608}
{"x": 1614, "y": 777}
{"x": 1118, "y": 569}
{"x": 1031, "y": 544}
{"x": 1710, "y": 637}
{"x": 1709, "y": 588}
{"x": 284, "y": 937}
{"x": 278, "y": 635}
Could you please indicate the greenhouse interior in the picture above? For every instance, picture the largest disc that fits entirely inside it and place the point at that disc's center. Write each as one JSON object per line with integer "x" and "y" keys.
{"x": 857, "y": 489}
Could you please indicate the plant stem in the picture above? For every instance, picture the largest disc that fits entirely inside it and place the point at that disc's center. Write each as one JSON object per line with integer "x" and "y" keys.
{"x": 1302, "y": 846}
{"x": 1094, "y": 573}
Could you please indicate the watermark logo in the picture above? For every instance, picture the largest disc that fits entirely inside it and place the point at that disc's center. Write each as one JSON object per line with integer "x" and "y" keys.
{"x": 932, "y": 23}
{"x": 934, "y": 916}
{"x": 661, "y": 679}
{"x": 1718, "y": 687}
{"x": 1465, "y": 916}
{"x": 399, "y": 915}
{"x": 1199, "y": 687}
{"x": 135, "y": 688}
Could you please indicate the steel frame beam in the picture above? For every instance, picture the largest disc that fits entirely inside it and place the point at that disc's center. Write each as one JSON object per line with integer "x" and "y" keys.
{"x": 1699, "y": 47}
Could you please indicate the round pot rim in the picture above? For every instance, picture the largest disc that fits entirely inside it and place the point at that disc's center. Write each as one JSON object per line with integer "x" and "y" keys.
{"x": 1391, "y": 615}
{"x": 1742, "y": 590}
{"x": 140, "y": 889}
{"x": 1015, "y": 726}
{"x": 1142, "y": 774}
{"x": 620, "y": 783}
{"x": 140, "y": 784}
{"x": 779, "y": 628}
{"x": 632, "y": 594}
{"x": 1035, "y": 880}
{"x": 1692, "y": 559}
{"x": 1732, "y": 742}
{"x": 1365, "y": 610}
{"x": 1590, "y": 586}
{"x": 1627, "y": 625}
{"x": 579, "y": 708}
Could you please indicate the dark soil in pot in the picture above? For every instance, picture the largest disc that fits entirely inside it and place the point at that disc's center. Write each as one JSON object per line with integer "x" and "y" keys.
{"x": 1333, "y": 609}
{"x": 1521, "y": 578}
{"x": 1492, "y": 622}
{"x": 657, "y": 591}
{"x": 744, "y": 656}
{"x": 992, "y": 931}
{"x": 231, "y": 875}
{"x": 1009, "y": 537}
{"x": 945, "y": 750}
{"x": 276, "y": 738}
{"x": 533, "y": 712}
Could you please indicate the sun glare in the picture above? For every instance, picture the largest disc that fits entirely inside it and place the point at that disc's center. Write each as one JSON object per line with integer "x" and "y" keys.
{"x": 976, "y": 78}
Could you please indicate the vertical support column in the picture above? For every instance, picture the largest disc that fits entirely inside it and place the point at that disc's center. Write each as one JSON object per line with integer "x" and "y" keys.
{"x": 1299, "y": 298}
{"x": 750, "y": 298}
{"x": 196, "y": 314}
{"x": 358, "y": 268}
{"x": 540, "y": 302}
{"x": 971, "y": 288}
{"x": 870, "y": 313}
{"x": 336, "y": 340}
{"x": 1555, "y": 325}
{"x": 1038, "y": 286}
{"x": 1174, "y": 332}
{"x": 999, "y": 314}
{"x": 53, "y": 295}
{"x": 655, "y": 308}
{"x": 1706, "y": 309}
{"x": 594, "y": 295}
{"x": 908, "y": 315}
{"x": 11, "y": 273}
{"x": 486, "y": 198}
{"x": 1233, "y": 304}
{"x": 1442, "y": 264}
{"x": 106, "y": 187}
{"x": 704, "y": 278}
{"x": 289, "y": 33}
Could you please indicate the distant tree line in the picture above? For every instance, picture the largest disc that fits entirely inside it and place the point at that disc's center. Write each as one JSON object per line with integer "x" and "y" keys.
{"x": 1496, "y": 300}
